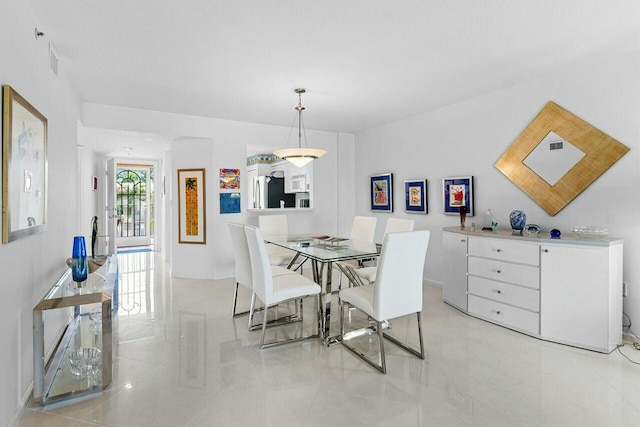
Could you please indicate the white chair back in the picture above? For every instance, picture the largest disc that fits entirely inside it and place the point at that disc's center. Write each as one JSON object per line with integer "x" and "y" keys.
{"x": 260, "y": 266}
{"x": 398, "y": 287}
{"x": 241, "y": 255}
{"x": 363, "y": 228}
{"x": 273, "y": 225}
{"x": 398, "y": 225}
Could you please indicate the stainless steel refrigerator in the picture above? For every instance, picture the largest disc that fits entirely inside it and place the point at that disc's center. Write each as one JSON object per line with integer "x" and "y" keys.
{"x": 268, "y": 192}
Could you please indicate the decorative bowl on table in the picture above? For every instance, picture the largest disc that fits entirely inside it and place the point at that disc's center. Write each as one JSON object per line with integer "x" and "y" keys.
{"x": 94, "y": 262}
{"x": 590, "y": 231}
{"x": 84, "y": 360}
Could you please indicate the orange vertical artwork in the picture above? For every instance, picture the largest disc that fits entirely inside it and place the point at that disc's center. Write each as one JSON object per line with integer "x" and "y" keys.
{"x": 191, "y": 206}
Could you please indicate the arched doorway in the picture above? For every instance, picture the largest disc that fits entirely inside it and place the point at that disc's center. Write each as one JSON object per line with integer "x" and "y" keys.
{"x": 134, "y": 204}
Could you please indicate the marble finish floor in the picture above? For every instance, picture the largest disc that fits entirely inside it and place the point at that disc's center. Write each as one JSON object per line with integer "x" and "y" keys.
{"x": 182, "y": 360}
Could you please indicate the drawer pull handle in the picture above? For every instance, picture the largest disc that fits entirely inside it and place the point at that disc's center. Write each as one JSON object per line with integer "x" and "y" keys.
{"x": 499, "y": 291}
{"x": 546, "y": 250}
{"x": 498, "y": 271}
{"x": 498, "y": 250}
{"x": 498, "y": 312}
{"x": 462, "y": 240}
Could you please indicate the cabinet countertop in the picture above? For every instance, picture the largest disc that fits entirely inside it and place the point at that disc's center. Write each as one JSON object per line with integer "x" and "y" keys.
{"x": 569, "y": 238}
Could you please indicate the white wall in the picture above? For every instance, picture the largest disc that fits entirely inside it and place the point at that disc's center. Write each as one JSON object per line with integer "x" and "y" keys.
{"x": 30, "y": 266}
{"x": 467, "y": 138}
{"x": 215, "y": 144}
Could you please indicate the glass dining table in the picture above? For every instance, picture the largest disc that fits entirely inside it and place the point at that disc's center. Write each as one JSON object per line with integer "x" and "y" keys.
{"x": 323, "y": 252}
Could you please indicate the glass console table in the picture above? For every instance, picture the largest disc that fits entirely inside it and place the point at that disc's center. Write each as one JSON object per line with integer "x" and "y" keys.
{"x": 87, "y": 339}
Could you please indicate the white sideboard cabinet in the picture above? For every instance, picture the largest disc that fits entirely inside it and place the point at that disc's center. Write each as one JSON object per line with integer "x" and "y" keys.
{"x": 565, "y": 290}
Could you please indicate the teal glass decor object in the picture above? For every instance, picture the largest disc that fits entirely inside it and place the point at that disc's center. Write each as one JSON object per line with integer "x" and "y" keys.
{"x": 79, "y": 265}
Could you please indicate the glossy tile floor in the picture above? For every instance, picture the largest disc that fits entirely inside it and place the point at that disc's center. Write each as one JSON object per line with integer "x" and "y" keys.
{"x": 182, "y": 360}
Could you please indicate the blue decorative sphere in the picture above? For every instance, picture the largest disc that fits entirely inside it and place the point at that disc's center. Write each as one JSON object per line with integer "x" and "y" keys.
{"x": 518, "y": 219}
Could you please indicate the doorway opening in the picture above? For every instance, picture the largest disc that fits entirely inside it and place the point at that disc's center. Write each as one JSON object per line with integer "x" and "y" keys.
{"x": 134, "y": 204}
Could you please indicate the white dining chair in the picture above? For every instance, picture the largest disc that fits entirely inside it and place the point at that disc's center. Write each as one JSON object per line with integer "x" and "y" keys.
{"x": 276, "y": 225}
{"x": 243, "y": 274}
{"x": 393, "y": 225}
{"x": 363, "y": 229}
{"x": 273, "y": 290}
{"x": 397, "y": 292}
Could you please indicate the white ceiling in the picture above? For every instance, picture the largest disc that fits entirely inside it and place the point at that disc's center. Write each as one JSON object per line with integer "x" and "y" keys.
{"x": 364, "y": 63}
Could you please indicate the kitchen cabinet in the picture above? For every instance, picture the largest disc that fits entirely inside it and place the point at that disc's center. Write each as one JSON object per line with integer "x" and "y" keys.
{"x": 565, "y": 290}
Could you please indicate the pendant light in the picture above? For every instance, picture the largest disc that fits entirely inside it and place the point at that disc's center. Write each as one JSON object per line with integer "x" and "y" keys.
{"x": 300, "y": 156}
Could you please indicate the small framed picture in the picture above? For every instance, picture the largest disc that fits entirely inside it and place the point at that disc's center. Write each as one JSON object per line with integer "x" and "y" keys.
{"x": 382, "y": 192}
{"x": 229, "y": 203}
{"x": 416, "y": 196}
{"x": 457, "y": 192}
{"x": 229, "y": 179}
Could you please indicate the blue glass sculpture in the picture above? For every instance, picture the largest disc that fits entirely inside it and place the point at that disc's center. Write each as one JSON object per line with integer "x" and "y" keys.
{"x": 79, "y": 265}
{"x": 518, "y": 219}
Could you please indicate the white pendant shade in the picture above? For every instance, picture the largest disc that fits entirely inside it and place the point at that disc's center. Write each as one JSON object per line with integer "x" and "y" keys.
{"x": 300, "y": 156}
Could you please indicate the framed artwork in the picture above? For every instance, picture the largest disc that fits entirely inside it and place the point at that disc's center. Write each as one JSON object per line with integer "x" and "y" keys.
{"x": 230, "y": 179}
{"x": 191, "y": 206}
{"x": 416, "y": 196}
{"x": 382, "y": 192}
{"x": 458, "y": 192}
{"x": 24, "y": 168}
{"x": 229, "y": 203}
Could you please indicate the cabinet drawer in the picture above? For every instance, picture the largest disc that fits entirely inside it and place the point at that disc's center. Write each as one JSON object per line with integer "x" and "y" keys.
{"x": 506, "y": 315}
{"x": 523, "y": 275}
{"x": 509, "y": 294}
{"x": 505, "y": 250}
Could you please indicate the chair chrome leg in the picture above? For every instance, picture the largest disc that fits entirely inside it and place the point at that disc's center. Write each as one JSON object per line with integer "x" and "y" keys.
{"x": 419, "y": 354}
{"x": 383, "y": 361}
{"x": 235, "y": 300}
{"x": 318, "y": 314}
{"x": 382, "y": 367}
{"x": 251, "y": 310}
{"x": 292, "y": 340}
{"x": 264, "y": 325}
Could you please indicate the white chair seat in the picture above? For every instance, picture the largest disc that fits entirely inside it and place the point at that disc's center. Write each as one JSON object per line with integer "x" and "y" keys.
{"x": 361, "y": 297}
{"x": 288, "y": 286}
{"x": 276, "y": 270}
{"x": 279, "y": 256}
{"x": 367, "y": 273}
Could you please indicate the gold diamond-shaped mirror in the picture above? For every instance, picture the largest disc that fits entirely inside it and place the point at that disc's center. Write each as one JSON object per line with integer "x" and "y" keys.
{"x": 600, "y": 153}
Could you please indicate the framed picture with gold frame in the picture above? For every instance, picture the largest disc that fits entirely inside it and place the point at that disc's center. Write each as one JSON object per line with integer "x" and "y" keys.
{"x": 191, "y": 206}
{"x": 24, "y": 168}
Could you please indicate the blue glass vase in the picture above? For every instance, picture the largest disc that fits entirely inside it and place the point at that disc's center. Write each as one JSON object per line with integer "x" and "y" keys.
{"x": 79, "y": 265}
{"x": 518, "y": 219}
